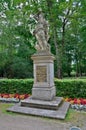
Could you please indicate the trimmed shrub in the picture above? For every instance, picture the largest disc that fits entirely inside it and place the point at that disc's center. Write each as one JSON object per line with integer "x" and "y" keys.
{"x": 71, "y": 88}
{"x": 21, "y": 86}
{"x": 64, "y": 88}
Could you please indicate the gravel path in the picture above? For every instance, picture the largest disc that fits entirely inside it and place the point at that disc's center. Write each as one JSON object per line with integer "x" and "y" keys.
{"x": 21, "y": 122}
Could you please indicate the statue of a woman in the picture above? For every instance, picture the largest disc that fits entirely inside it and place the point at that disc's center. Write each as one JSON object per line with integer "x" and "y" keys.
{"x": 41, "y": 33}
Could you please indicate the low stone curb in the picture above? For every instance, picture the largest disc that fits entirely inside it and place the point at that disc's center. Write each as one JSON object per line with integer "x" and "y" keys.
{"x": 9, "y": 100}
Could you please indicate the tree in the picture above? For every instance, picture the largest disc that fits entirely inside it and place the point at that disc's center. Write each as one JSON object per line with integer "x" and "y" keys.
{"x": 67, "y": 33}
{"x": 16, "y": 41}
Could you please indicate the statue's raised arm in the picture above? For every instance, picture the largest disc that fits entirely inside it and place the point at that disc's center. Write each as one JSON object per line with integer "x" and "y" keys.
{"x": 41, "y": 33}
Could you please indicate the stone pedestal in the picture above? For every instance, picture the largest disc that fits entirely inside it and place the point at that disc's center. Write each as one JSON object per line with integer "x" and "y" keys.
{"x": 43, "y": 87}
{"x": 43, "y": 101}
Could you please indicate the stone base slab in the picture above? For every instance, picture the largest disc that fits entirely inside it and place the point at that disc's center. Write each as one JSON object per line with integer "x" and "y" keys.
{"x": 60, "y": 113}
{"x": 52, "y": 105}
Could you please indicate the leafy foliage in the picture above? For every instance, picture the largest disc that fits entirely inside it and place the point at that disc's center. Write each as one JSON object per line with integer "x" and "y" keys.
{"x": 64, "y": 88}
{"x": 67, "y": 21}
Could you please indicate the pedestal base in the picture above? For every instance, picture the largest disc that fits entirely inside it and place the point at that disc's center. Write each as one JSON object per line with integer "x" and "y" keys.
{"x": 51, "y": 109}
{"x": 52, "y": 105}
{"x": 43, "y": 93}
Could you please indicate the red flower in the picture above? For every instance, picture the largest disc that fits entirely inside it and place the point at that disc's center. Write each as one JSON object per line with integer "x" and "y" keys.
{"x": 83, "y": 101}
{"x": 75, "y": 101}
{"x": 27, "y": 95}
{"x": 5, "y": 95}
{"x": 16, "y": 96}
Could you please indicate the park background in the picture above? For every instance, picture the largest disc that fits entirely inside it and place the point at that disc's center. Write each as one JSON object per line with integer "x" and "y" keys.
{"x": 67, "y": 20}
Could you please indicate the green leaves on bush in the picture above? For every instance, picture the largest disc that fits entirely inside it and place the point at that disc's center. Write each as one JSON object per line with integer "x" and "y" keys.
{"x": 16, "y": 86}
{"x": 71, "y": 88}
{"x": 64, "y": 88}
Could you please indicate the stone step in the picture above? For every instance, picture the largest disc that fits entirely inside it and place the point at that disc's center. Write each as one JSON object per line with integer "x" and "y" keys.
{"x": 57, "y": 114}
{"x": 52, "y": 105}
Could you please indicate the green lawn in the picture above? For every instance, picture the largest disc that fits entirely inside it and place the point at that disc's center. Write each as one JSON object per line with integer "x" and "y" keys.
{"x": 4, "y": 106}
{"x": 72, "y": 78}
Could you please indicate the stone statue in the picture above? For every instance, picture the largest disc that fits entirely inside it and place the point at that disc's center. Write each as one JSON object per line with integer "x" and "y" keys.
{"x": 41, "y": 33}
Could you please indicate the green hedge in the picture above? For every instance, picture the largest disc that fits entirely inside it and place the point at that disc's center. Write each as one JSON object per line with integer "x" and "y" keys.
{"x": 16, "y": 86}
{"x": 64, "y": 88}
{"x": 71, "y": 88}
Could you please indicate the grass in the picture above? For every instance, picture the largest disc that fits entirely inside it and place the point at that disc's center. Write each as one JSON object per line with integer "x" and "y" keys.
{"x": 76, "y": 118}
{"x": 4, "y": 106}
{"x": 70, "y": 115}
{"x": 72, "y": 79}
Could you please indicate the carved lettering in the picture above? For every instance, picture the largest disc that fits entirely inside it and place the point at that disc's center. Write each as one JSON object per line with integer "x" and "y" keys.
{"x": 41, "y": 74}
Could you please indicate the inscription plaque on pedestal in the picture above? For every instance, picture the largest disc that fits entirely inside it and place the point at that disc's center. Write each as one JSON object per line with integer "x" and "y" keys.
{"x": 41, "y": 73}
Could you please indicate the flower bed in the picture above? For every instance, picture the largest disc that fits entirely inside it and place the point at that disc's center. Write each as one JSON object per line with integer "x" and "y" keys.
{"x": 78, "y": 104}
{"x": 14, "y": 98}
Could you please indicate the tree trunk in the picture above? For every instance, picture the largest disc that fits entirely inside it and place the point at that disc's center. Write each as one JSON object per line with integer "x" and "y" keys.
{"x": 58, "y": 56}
